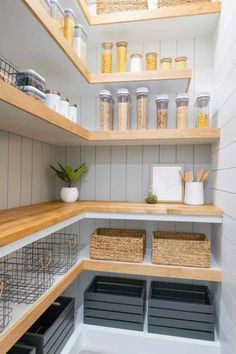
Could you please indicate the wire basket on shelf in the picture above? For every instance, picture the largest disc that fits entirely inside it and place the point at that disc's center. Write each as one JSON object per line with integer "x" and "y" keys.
{"x": 61, "y": 248}
{"x": 112, "y": 6}
{"x": 8, "y": 72}
{"x": 5, "y": 309}
{"x": 167, "y": 3}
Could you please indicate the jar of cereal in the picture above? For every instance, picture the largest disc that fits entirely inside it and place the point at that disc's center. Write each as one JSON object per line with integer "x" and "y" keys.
{"x": 142, "y": 107}
{"x": 162, "y": 102}
{"x": 182, "y": 101}
{"x": 202, "y": 101}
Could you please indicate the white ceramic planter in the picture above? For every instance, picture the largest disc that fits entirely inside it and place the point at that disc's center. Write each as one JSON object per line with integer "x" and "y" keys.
{"x": 69, "y": 195}
{"x": 194, "y": 194}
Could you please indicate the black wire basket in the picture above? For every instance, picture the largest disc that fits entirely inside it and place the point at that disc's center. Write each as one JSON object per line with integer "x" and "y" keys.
{"x": 5, "y": 308}
{"x": 8, "y": 72}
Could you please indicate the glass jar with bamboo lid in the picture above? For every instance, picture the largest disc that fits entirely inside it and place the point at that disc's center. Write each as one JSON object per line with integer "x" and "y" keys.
{"x": 166, "y": 63}
{"x": 151, "y": 61}
{"x": 121, "y": 56}
{"x": 181, "y": 63}
{"x": 106, "y": 66}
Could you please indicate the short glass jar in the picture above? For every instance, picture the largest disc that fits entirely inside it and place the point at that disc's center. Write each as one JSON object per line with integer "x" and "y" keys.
{"x": 142, "y": 107}
{"x": 181, "y": 63}
{"x": 121, "y": 56}
{"x": 106, "y": 110}
{"x": 182, "y": 101}
{"x": 151, "y": 61}
{"x": 162, "y": 102}
{"x": 106, "y": 66}
{"x": 123, "y": 109}
{"x": 203, "y": 109}
{"x": 69, "y": 25}
{"x": 136, "y": 62}
{"x": 166, "y": 63}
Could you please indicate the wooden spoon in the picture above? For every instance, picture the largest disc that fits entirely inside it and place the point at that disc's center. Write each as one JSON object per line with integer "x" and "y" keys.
{"x": 205, "y": 176}
{"x": 182, "y": 175}
{"x": 200, "y": 174}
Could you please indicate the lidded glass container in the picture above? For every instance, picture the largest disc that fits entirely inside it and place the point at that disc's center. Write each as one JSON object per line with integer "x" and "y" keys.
{"x": 151, "y": 61}
{"x": 166, "y": 63}
{"x": 182, "y": 101}
{"x": 106, "y": 57}
{"x": 136, "y": 62}
{"x": 53, "y": 100}
{"x": 46, "y": 5}
{"x": 64, "y": 107}
{"x": 80, "y": 42}
{"x": 57, "y": 13}
{"x": 69, "y": 25}
{"x": 142, "y": 107}
{"x": 123, "y": 109}
{"x": 162, "y": 102}
{"x": 121, "y": 56}
{"x": 106, "y": 110}
{"x": 202, "y": 102}
{"x": 181, "y": 62}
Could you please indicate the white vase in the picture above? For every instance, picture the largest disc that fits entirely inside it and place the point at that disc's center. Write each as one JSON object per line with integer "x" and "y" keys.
{"x": 194, "y": 194}
{"x": 69, "y": 195}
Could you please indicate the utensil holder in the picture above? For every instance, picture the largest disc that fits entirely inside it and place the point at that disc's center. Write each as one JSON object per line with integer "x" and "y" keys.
{"x": 194, "y": 194}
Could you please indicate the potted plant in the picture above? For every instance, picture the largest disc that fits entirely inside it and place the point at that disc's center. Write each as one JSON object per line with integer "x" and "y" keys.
{"x": 70, "y": 176}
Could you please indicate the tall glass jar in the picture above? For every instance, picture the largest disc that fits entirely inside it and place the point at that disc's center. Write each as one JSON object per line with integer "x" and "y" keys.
{"x": 123, "y": 109}
{"x": 106, "y": 57}
{"x": 121, "y": 56}
{"x": 162, "y": 102}
{"x": 106, "y": 110}
{"x": 151, "y": 61}
{"x": 182, "y": 101}
{"x": 203, "y": 100}
{"x": 80, "y": 42}
{"x": 142, "y": 107}
{"x": 57, "y": 14}
{"x": 69, "y": 25}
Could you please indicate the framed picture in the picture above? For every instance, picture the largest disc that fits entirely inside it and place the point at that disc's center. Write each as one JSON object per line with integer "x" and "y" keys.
{"x": 166, "y": 183}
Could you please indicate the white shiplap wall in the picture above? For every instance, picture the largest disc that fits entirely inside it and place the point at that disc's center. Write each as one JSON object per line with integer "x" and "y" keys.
{"x": 224, "y": 175}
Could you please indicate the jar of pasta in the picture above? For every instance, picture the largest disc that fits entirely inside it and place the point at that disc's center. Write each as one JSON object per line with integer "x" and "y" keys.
{"x": 203, "y": 100}
{"x": 182, "y": 101}
{"x": 57, "y": 14}
{"x": 166, "y": 63}
{"x": 181, "y": 63}
{"x": 162, "y": 102}
{"x": 106, "y": 110}
{"x": 151, "y": 61}
{"x": 123, "y": 109}
{"x": 106, "y": 57}
{"x": 142, "y": 107}
{"x": 121, "y": 56}
{"x": 69, "y": 25}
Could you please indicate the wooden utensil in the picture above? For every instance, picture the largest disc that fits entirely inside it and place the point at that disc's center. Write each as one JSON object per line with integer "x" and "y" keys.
{"x": 182, "y": 176}
{"x": 200, "y": 174}
{"x": 205, "y": 176}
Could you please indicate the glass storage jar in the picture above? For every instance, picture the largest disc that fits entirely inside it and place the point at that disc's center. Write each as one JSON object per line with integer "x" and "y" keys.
{"x": 46, "y": 5}
{"x": 73, "y": 112}
{"x": 53, "y": 100}
{"x": 80, "y": 42}
{"x": 181, "y": 63}
{"x": 162, "y": 102}
{"x": 58, "y": 15}
{"x": 123, "y": 109}
{"x": 106, "y": 57}
{"x": 202, "y": 101}
{"x": 151, "y": 61}
{"x": 69, "y": 25}
{"x": 121, "y": 56}
{"x": 106, "y": 110}
{"x": 182, "y": 101}
{"x": 64, "y": 107}
{"x": 166, "y": 63}
{"x": 142, "y": 107}
{"x": 136, "y": 62}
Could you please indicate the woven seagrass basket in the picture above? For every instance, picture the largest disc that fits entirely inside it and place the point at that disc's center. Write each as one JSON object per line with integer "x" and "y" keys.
{"x": 118, "y": 245}
{"x": 167, "y": 3}
{"x": 181, "y": 249}
{"x": 112, "y": 6}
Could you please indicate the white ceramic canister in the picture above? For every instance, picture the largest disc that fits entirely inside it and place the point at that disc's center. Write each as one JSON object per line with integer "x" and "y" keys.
{"x": 136, "y": 62}
{"x": 194, "y": 193}
{"x": 52, "y": 100}
{"x": 72, "y": 112}
{"x": 64, "y": 107}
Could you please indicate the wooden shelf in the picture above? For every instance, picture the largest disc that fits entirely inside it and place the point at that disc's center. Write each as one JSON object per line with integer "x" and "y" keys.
{"x": 25, "y": 315}
{"x": 18, "y": 223}
{"x": 23, "y": 115}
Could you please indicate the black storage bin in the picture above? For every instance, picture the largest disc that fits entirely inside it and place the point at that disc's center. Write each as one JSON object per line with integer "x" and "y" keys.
{"x": 52, "y": 330}
{"x": 115, "y": 302}
{"x": 21, "y": 348}
{"x": 182, "y": 310}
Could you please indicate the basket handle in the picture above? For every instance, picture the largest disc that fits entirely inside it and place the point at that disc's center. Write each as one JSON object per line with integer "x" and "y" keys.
{"x": 47, "y": 264}
{"x": 1, "y": 288}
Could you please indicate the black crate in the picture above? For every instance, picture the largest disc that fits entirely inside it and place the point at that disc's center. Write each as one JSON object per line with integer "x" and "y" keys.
{"x": 115, "y": 302}
{"x": 21, "y": 348}
{"x": 182, "y": 310}
{"x": 51, "y": 330}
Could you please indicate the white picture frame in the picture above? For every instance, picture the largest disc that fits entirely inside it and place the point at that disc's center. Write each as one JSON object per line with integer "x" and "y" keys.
{"x": 167, "y": 184}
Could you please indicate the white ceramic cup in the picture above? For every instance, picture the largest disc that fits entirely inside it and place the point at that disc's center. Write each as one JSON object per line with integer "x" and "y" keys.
{"x": 194, "y": 194}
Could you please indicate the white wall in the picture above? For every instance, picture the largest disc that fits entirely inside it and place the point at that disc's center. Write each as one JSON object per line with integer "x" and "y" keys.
{"x": 224, "y": 176}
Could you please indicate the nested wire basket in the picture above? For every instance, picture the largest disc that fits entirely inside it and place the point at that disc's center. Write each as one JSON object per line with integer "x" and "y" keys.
{"x": 5, "y": 308}
{"x": 112, "y": 6}
{"x": 8, "y": 72}
{"x": 59, "y": 251}
{"x": 168, "y": 3}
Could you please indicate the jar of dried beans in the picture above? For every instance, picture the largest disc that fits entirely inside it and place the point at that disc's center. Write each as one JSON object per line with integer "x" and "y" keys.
{"x": 123, "y": 109}
{"x": 162, "y": 102}
{"x": 106, "y": 110}
{"x": 203, "y": 100}
{"x": 182, "y": 101}
{"x": 142, "y": 107}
